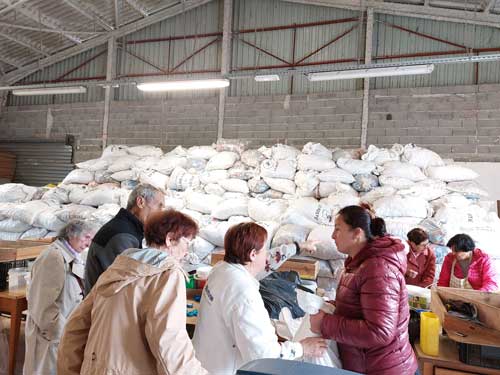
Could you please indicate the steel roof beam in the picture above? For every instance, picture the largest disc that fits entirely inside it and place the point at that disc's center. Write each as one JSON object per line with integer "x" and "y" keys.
{"x": 85, "y": 10}
{"x": 138, "y": 7}
{"x": 409, "y": 10}
{"x": 10, "y": 7}
{"x": 25, "y": 42}
{"x": 172, "y": 11}
{"x": 11, "y": 62}
{"x": 36, "y": 15}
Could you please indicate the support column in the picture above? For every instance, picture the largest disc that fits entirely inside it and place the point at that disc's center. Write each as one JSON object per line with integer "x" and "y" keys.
{"x": 225, "y": 61}
{"x": 110, "y": 74}
{"x": 366, "y": 81}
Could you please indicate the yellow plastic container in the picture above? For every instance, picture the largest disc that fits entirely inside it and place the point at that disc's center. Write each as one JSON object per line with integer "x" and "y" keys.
{"x": 430, "y": 329}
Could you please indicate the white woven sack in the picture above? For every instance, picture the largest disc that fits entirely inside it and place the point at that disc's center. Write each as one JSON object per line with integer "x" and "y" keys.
{"x": 222, "y": 160}
{"x": 336, "y": 175}
{"x": 354, "y": 166}
{"x": 451, "y": 173}
{"x": 266, "y": 209}
{"x": 314, "y": 163}
{"x": 278, "y": 168}
{"x": 79, "y": 176}
{"x": 231, "y": 207}
{"x": 235, "y": 185}
{"x": 397, "y": 206}
{"x": 281, "y": 184}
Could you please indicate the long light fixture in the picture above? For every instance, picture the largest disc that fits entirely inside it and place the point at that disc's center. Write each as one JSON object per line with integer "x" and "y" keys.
{"x": 389, "y": 71}
{"x": 267, "y": 78}
{"x": 50, "y": 91}
{"x": 203, "y": 84}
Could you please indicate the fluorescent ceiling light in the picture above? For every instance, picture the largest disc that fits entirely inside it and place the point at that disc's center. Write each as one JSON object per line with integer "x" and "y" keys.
{"x": 183, "y": 85}
{"x": 50, "y": 91}
{"x": 267, "y": 78}
{"x": 371, "y": 72}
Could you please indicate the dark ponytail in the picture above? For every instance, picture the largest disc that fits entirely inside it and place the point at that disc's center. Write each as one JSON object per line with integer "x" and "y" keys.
{"x": 357, "y": 217}
{"x": 377, "y": 227}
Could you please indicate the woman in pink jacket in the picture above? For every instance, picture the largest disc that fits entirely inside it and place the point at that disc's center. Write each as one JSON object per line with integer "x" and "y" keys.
{"x": 370, "y": 322}
{"x": 472, "y": 269}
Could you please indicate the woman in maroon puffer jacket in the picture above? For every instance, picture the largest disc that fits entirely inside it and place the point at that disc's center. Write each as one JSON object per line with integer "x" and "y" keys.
{"x": 370, "y": 322}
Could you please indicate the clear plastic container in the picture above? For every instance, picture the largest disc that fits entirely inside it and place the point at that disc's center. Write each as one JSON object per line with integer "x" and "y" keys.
{"x": 17, "y": 277}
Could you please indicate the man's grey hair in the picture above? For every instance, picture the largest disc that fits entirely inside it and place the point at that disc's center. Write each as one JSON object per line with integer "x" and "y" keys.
{"x": 77, "y": 228}
{"x": 146, "y": 191}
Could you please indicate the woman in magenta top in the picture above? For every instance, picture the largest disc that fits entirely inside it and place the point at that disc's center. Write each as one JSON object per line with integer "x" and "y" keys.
{"x": 472, "y": 268}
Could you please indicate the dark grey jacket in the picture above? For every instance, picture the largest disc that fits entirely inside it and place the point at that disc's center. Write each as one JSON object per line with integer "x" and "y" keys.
{"x": 123, "y": 232}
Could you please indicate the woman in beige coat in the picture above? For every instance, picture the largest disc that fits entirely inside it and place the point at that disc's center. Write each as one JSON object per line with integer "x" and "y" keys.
{"x": 55, "y": 290}
{"x": 134, "y": 319}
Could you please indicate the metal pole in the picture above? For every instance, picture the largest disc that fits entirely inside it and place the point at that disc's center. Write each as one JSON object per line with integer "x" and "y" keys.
{"x": 225, "y": 61}
{"x": 110, "y": 73}
{"x": 366, "y": 81}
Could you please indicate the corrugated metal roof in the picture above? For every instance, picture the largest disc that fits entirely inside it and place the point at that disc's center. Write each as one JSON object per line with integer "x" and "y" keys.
{"x": 248, "y": 14}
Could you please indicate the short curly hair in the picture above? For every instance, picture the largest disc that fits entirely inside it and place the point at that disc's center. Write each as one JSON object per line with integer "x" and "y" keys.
{"x": 171, "y": 222}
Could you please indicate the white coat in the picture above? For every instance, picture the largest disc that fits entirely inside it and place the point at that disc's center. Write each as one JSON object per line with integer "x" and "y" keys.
{"x": 53, "y": 294}
{"x": 233, "y": 325}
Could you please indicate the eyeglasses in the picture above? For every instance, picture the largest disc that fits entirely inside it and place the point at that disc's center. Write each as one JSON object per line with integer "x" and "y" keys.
{"x": 189, "y": 242}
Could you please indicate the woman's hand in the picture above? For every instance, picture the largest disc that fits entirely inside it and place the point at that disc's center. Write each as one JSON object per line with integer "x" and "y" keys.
{"x": 308, "y": 247}
{"x": 314, "y": 346}
{"x": 316, "y": 321}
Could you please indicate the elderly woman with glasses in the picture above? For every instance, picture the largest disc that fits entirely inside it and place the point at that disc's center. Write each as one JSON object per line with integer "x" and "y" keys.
{"x": 421, "y": 259}
{"x": 55, "y": 290}
{"x": 134, "y": 319}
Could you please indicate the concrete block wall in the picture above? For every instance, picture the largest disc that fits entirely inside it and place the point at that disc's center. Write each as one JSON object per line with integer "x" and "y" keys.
{"x": 461, "y": 122}
{"x": 333, "y": 119}
{"x": 83, "y": 120}
{"x": 165, "y": 124}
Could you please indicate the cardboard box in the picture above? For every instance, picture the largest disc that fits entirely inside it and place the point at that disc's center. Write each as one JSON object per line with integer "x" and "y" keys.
{"x": 460, "y": 330}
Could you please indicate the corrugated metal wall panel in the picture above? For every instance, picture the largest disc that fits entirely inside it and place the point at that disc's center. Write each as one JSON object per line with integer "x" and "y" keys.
{"x": 201, "y": 20}
{"x": 40, "y": 163}
{"x": 391, "y": 41}
{"x": 96, "y": 67}
{"x": 267, "y": 13}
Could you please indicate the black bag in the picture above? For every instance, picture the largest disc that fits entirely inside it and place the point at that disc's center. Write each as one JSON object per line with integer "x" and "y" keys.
{"x": 278, "y": 290}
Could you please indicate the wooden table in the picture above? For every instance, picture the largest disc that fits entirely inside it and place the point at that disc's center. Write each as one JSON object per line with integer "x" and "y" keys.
{"x": 447, "y": 363}
{"x": 306, "y": 267}
{"x": 13, "y": 302}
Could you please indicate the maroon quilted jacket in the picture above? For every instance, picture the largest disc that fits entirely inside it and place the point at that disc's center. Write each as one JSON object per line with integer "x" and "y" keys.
{"x": 370, "y": 323}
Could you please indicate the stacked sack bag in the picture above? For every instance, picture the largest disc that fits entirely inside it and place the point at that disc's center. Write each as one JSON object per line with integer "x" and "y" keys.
{"x": 294, "y": 194}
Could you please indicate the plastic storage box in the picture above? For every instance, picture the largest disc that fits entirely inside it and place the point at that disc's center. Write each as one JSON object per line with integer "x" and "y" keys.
{"x": 479, "y": 355}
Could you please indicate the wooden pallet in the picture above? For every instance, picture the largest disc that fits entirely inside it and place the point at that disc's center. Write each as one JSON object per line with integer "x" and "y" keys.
{"x": 307, "y": 268}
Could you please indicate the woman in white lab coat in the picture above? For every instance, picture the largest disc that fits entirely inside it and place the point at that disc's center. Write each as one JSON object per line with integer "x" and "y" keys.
{"x": 233, "y": 325}
{"x": 55, "y": 290}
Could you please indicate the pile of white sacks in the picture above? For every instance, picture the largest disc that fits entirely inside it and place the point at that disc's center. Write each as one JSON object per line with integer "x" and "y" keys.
{"x": 294, "y": 193}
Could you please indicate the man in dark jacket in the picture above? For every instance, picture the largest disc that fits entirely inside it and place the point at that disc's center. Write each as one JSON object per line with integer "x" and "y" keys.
{"x": 123, "y": 232}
